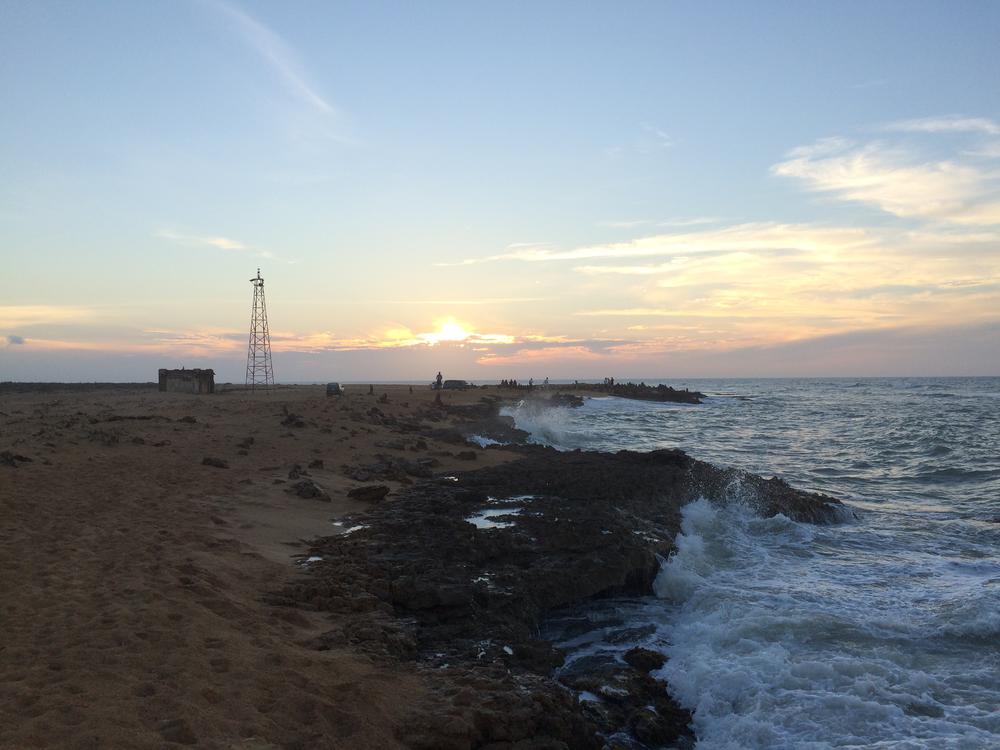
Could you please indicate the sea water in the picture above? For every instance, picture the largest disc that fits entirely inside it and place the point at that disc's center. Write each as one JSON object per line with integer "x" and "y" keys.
{"x": 879, "y": 632}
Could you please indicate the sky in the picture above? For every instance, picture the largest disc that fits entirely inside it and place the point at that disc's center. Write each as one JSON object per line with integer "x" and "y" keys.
{"x": 523, "y": 189}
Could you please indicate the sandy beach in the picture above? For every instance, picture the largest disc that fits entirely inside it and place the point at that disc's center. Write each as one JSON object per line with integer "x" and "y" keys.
{"x": 133, "y": 574}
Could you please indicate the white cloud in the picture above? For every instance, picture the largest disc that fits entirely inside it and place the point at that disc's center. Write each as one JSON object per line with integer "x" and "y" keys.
{"x": 897, "y": 181}
{"x": 222, "y": 243}
{"x": 692, "y": 222}
{"x": 754, "y": 236}
{"x": 947, "y": 124}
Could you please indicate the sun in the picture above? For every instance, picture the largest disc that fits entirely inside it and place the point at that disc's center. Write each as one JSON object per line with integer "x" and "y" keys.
{"x": 447, "y": 330}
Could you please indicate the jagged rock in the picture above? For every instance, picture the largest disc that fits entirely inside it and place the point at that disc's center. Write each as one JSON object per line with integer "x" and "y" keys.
{"x": 11, "y": 459}
{"x": 644, "y": 659}
{"x": 389, "y": 468}
{"x": 218, "y": 463}
{"x": 308, "y": 489}
{"x": 316, "y": 463}
{"x": 643, "y": 392}
{"x": 558, "y": 400}
{"x": 188, "y": 420}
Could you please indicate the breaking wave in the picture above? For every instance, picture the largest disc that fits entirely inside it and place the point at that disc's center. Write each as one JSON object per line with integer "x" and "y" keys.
{"x": 780, "y": 640}
{"x": 879, "y": 632}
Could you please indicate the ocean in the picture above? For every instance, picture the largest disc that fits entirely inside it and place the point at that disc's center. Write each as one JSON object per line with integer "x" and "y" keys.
{"x": 882, "y": 631}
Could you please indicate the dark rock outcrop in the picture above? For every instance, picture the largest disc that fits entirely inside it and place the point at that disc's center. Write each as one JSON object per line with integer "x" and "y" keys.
{"x": 643, "y": 392}
{"x": 7, "y": 458}
{"x": 371, "y": 493}
{"x": 308, "y": 489}
{"x": 460, "y": 571}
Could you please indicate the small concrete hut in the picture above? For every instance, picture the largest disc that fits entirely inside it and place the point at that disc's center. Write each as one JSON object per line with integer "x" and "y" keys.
{"x": 187, "y": 381}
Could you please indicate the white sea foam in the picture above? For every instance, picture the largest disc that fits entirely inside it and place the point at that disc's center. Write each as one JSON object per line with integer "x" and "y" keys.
{"x": 487, "y": 518}
{"x": 774, "y": 645}
{"x": 482, "y": 441}
{"x": 546, "y": 425}
{"x": 513, "y": 498}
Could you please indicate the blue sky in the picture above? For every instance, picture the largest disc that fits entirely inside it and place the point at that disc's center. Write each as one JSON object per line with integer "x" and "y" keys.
{"x": 652, "y": 189}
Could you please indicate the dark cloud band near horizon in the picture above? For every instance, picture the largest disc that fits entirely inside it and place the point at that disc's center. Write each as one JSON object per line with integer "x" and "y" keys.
{"x": 970, "y": 350}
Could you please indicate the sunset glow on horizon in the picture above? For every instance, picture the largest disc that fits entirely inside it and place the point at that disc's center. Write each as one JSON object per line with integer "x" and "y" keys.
{"x": 720, "y": 192}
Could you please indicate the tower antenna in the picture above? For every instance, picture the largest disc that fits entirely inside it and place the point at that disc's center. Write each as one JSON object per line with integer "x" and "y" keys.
{"x": 260, "y": 372}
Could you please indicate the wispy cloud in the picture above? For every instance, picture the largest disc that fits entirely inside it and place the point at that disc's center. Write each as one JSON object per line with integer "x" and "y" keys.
{"x": 22, "y": 316}
{"x": 635, "y": 223}
{"x": 509, "y": 251}
{"x": 880, "y": 278}
{"x": 753, "y": 236}
{"x": 897, "y": 181}
{"x": 15, "y": 340}
{"x": 449, "y": 302}
{"x": 624, "y": 223}
{"x": 946, "y": 124}
{"x": 649, "y": 139}
{"x": 278, "y": 54}
{"x": 309, "y": 112}
{"x": 218, "y": 242}
{"x": 692, "y": 222}
{"x": 221, "y": 243}
{"x": 654, "y": 138}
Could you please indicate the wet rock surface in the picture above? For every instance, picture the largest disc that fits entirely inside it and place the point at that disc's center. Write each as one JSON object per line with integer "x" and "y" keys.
{"x": 643, "y": 392}
{"x": 459, "y": 572}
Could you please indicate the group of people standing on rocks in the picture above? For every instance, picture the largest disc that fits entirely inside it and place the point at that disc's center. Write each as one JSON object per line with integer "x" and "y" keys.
{"x": 505, "y": 383}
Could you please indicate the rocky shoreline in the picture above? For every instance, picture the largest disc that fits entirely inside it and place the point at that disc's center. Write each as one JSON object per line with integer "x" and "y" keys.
{"x": 642, "y": 392}
{"x": 457, "y": 573}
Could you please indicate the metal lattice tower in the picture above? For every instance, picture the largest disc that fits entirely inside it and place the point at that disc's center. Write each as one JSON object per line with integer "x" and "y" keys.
{"x": 260, "y": 372}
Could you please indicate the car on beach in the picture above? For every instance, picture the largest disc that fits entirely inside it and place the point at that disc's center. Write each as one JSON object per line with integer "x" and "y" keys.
{"x": 334, "y": 389}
